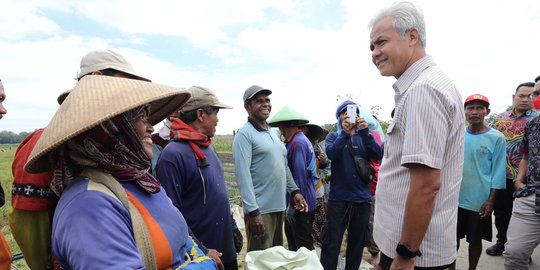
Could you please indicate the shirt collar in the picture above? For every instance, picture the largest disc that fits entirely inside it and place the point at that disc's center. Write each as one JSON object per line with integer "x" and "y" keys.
{"x": 257, "y": 126}
{"x": 410, "y": 75}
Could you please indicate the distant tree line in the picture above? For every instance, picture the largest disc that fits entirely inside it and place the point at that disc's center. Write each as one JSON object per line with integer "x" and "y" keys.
{"x": 10, "y": 137}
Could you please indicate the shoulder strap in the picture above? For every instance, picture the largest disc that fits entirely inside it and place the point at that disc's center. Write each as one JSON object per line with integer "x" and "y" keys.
{"x": 142, "y": 236}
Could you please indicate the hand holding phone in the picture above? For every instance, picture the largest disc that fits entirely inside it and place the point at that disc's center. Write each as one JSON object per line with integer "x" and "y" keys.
{"x": 352, "y": 113}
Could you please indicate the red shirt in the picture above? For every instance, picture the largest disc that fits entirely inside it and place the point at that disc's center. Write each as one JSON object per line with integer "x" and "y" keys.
{"x": 31, "y": 192}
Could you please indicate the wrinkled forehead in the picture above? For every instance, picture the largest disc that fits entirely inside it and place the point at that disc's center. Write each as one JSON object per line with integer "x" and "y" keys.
{"x": 382, "y": 27}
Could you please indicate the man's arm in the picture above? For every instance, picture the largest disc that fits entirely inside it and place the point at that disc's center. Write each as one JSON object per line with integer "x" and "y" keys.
{"x": 424, "y": 187}
{"x": 522, "y": 172}
{"x": 242, "y": 154}
{"x": 487, "y": 207}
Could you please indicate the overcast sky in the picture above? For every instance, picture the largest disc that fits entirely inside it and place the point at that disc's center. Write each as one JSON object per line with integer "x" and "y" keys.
{"x": 307, "y": 52}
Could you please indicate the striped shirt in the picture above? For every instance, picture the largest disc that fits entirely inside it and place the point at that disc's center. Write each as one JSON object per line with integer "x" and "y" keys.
{"x": 428, "y": 128}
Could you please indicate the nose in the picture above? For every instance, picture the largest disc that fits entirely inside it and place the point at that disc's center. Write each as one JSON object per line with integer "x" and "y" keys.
{"x": 149, "y": 128}
{"x": 375, "y": 54}
{"x": 2, "y": 110}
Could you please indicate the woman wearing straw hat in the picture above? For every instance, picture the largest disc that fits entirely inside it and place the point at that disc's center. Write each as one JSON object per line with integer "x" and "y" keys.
{"x": 112, "y": 213}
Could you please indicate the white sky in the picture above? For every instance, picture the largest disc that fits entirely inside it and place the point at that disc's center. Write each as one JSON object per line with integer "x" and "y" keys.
{"x": 307, "y": 52}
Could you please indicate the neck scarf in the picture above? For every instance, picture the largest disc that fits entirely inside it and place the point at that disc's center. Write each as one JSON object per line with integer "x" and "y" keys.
{"x": 113, "y": 147}
{"x": 184, "y": 132}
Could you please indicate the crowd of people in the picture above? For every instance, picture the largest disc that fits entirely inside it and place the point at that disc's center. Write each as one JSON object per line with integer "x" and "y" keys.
{"x": 99, "y": 189}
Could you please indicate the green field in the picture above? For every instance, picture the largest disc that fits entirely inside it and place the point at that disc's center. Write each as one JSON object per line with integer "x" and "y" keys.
{"x": 7, "y": 151}
{"x": 223, "y": 144}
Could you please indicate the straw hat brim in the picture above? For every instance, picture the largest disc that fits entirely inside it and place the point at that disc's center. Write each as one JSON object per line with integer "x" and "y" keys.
{"x": 95, "y": 99}
{"x": 314, "y": 131}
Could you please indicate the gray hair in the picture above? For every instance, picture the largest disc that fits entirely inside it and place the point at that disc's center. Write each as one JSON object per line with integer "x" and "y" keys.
{"x": 406, "y": 17}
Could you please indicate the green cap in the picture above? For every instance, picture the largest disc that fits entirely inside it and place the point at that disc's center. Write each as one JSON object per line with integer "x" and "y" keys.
{"x": 287, "y": 114}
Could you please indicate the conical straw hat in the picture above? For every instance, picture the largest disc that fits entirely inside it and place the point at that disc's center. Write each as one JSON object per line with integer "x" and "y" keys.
{"x": 314, "y": 131}
{"x": 96, "y": 99}
{"x": 287, "y": 114}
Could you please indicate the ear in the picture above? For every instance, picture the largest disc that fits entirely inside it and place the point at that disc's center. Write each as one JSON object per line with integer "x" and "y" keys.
{"x": 414, "y": 37}
{"x": 201, "y": 115}
{"x": 488, "y": 111}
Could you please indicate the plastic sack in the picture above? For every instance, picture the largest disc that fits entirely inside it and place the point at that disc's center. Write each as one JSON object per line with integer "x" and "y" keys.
{"x": 282, "y": 259}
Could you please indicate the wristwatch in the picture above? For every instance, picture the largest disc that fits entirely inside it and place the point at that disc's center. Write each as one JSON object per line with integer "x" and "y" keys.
{"x": 405, "y": 252}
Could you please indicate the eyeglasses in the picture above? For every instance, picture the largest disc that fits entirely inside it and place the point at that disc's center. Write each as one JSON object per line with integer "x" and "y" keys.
{"x": 531, "y": 96}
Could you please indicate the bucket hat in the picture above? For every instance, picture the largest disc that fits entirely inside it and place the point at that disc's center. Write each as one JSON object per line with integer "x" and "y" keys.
{"x": 288, "y": 114}
{"x": 100, "y": 60}
{"x": 96, "y": 99}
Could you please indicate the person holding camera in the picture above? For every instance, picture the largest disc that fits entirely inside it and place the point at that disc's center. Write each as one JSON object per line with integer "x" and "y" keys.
{"x": 349, "y": 149}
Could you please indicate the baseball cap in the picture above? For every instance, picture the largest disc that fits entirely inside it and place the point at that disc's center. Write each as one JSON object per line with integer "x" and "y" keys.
{"x": 253, "y": 90}
{"x": 105, "y": 59}
{"x": 202, "y": 97}
{"x": 477, "y": 97}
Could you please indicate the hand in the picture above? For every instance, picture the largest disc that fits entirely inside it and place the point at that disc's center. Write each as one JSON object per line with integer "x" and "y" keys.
{"x": 289, "y": 214}
{"x": 214, "y": 254}
{"x": 485, "y": 210}
{"x": 300, "y": 203}
{"x": 361, "y": 123}
{"x": 402, "y": 264}
{"x": 238, "y": 239}
{"x": 256, "y": 225}
{"x": 347, "y": 126}
{"x": 518, "y": 185}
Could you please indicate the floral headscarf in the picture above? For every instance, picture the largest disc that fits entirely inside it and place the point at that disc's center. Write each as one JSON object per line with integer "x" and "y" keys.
{"x": 114, "y": 147}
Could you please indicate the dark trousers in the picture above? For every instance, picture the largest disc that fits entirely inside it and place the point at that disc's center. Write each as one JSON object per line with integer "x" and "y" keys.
{"x": 386, "y": 262}
{"x": 299, "y": 232}
{"x": 502, "y": 209}
{"x": 340, "y": 216}
{"x": 231, "y": 265}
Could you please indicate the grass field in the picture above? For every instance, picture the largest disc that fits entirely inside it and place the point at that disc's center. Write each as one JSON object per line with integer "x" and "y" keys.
{"x": 223, "y": 144}
{"x": 7, "y": 151}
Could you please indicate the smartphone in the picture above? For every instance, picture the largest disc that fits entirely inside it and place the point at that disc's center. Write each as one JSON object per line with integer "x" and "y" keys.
{"x": 352, "y": 113}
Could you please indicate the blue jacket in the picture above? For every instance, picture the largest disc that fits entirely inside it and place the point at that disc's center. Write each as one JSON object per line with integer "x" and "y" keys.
{"x": 345, "y": 184}
{"x": 301, "y": 160}
{"x": 200, "y": 194}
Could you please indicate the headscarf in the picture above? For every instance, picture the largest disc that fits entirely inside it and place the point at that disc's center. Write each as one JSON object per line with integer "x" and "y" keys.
{"x": 184, "y": 132}
{"x": 114, "y": 147}
{"x": 373, "y": 124}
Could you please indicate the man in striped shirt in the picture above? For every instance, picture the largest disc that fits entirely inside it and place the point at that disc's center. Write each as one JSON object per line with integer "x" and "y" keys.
{"x": 421, "y": 171}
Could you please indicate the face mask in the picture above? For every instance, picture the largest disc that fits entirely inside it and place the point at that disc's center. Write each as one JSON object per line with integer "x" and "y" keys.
{"x": 536, "y": 103}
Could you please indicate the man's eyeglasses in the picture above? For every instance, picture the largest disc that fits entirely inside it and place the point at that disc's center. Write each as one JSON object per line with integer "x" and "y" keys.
{"x": 531, "y": 96}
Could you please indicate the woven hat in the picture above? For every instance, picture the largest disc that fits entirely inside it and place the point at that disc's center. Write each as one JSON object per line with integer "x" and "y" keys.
{"x": 202, "y": 97}
{"x": 94, "y": 100}
{"x": 288, "y": 114}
